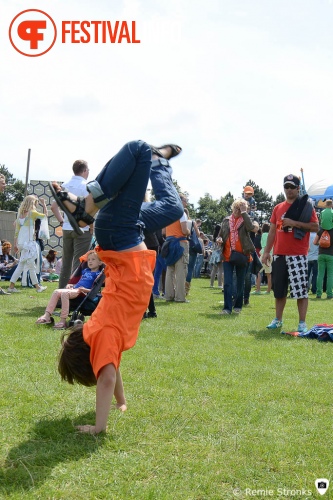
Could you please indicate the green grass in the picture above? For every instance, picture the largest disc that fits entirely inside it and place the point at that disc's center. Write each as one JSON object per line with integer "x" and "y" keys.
{"x": 215, "y": 403}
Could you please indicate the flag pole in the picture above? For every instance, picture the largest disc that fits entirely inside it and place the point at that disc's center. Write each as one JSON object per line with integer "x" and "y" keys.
{"x": 27, "y": 173}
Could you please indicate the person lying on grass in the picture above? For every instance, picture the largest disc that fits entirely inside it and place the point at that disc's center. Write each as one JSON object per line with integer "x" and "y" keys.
{"x": 91, "y": 353}
{"x": 83, "y": 286}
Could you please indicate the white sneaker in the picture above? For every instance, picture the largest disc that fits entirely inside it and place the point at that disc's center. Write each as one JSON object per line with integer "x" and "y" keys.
{"x": 41, "y": 289}
{"x": 12, "y": 290}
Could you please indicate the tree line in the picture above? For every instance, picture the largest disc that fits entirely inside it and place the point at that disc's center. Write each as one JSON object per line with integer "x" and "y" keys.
{"x": 211, "y": 211}
{"x": 13, "y": 195}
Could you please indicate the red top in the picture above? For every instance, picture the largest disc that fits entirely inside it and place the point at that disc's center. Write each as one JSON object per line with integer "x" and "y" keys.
{"x": 285, "y": 243}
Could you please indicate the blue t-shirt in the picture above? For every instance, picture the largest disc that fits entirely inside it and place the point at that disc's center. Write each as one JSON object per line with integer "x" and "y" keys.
{"x": 87, "y": 279}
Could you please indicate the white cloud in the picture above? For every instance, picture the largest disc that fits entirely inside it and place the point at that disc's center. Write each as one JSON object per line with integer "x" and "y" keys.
{"x": 246, "y": 90}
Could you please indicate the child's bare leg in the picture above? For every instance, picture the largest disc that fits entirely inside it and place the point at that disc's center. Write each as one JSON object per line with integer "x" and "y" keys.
{"x": 106, "y": 383}
{"x": 50, "y": 307}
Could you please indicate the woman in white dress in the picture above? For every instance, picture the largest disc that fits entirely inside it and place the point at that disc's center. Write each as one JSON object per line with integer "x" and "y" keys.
{"x": 24, "y": 240}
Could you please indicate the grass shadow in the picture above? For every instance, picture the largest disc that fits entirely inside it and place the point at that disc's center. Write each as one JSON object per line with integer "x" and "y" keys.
{"x": 36, "y": 310}
{"x": 270, "y": 335}
{"x": 51, "y": 442}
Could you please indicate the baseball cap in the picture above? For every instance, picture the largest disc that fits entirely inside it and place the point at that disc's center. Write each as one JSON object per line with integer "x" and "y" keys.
{"x": 248, "y": 190}
{"x": 291, "y": 179}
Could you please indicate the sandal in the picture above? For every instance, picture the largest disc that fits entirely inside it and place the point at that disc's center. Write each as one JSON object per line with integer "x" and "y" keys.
{"x": 174, "y": 150}
{"x": 79, "y": 213}
{"x": 60, "y": 326}
{"x": 43, "y": 321}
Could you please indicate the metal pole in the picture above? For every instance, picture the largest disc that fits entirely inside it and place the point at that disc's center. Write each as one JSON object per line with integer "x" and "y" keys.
{"x": 302, "y": 174}
{"x": 27, "y": 174}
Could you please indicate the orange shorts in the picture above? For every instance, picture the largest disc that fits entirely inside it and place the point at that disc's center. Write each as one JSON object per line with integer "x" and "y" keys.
{"x": 114, "y": 325}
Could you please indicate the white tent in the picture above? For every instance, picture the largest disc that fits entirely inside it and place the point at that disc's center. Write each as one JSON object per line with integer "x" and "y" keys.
{"x": 321, "y": 191}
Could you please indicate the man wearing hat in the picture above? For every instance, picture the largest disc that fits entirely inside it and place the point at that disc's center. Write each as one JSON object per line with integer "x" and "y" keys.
{"x": 291, "y": 224}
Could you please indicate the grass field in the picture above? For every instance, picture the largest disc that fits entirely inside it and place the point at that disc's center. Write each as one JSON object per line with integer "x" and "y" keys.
{"x": 218, "y": 407}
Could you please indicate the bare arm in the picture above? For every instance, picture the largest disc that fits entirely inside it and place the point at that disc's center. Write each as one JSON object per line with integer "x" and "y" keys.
{"x": 106, "y": 383}
{"x": 196, "y": 229}
{"x": 43, "y": 203}
{"x": 313, "y": 227}
{"x": 269, "y": 245}
{"x": 185, "y": 230}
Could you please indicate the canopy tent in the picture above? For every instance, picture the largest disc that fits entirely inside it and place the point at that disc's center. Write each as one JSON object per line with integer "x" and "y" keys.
{"x": 321, "y": 191}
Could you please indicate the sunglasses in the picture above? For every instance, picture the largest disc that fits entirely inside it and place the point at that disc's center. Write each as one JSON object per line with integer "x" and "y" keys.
{"x": 290, "y": 186}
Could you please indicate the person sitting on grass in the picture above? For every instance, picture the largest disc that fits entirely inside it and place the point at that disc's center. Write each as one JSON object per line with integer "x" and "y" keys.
{"x": 8, "y": 263}
{"x": 83, "y": 286}
{"x": 91, "y": 353}
{"x": 48, "y": 266}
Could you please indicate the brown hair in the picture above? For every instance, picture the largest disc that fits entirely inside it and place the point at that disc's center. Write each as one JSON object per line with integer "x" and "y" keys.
{"x": 6, "y": 244}
{"x": 51, "y": 256}
{"x": 74, "y": 358}
{"x": 79, "y": 166}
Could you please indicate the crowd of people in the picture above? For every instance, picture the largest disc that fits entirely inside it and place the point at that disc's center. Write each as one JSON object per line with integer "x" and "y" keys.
{"x": 152, "y": 251}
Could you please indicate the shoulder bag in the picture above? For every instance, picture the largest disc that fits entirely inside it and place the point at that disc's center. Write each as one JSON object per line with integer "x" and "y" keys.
{"x": 194, "y": 243}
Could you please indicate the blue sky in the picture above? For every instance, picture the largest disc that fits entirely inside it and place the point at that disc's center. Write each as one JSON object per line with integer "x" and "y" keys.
{"x": 245, "y": 87}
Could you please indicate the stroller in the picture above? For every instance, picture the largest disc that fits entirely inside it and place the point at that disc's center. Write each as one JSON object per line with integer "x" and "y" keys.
{"x": 85, "y": 306}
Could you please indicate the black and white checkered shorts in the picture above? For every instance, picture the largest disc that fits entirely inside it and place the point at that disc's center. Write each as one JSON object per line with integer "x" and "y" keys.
{"x": 292, "y": 271}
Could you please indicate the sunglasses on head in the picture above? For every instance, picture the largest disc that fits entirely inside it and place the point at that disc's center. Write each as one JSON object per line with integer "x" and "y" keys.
{"x": 290, "y": 186}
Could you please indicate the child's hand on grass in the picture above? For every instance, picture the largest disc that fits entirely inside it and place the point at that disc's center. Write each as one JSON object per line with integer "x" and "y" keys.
{"x": 87, "y": 429}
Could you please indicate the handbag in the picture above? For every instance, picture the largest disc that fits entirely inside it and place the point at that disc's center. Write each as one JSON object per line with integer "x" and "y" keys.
{"x": 325, "y": 240}
{"x": 215, "y": 258}
{"x": 238, "y": 259}
{"x": 44, "y": 232}
{"x": 194, "y": 243}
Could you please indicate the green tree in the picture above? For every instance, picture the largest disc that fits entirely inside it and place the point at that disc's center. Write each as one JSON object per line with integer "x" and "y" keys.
{"x": 212, "y": 212}
{"x": 279, "y": 199}
{"x": 190, "y": 206}
{"x": 13, "y": 195}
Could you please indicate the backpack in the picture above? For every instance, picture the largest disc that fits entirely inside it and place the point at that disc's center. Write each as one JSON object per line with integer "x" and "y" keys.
{"x": 325, "y": 240}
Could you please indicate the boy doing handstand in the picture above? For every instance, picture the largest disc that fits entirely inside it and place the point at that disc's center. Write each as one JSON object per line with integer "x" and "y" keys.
{"x": 91, "y": 353}
{"x": 83, "y": 286}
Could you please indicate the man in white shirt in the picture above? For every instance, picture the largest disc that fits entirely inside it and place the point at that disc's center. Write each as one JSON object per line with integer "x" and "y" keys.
{"x": 73, "y": 245}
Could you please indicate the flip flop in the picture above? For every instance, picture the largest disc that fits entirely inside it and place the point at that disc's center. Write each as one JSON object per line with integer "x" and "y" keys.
{"x": 60, "y": 326}
{"x": 43, "y": 321}
{"x": 79, "y": 213}
{"x": 174, "y": 151}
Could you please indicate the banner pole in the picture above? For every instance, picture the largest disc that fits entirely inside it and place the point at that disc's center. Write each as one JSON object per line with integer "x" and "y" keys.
{"x": 27, "y": 173}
